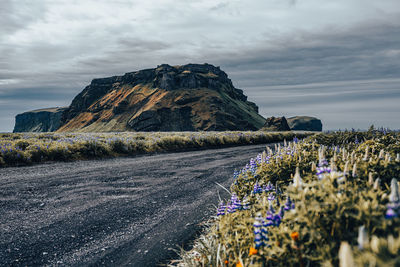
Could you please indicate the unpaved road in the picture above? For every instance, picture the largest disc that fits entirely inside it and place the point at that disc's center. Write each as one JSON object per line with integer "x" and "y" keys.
{"x": 115, "y": 212}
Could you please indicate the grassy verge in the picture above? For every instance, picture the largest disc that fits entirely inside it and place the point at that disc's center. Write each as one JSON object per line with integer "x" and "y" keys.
{"x": 329, "y": 200}
{"x": 17, "y": 149}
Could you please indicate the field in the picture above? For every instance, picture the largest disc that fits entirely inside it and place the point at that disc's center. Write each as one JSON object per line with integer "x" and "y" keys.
{"x": 17, "y": 149}
{"x": 328, "y": 200}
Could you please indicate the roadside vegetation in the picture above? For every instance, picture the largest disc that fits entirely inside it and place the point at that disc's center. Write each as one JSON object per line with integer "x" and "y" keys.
{"x": 329, "y": 200}
{"x": 18, "y": 149}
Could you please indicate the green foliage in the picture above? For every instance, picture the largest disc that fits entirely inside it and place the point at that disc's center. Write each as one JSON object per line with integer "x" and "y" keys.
{"x": 329, "y": 209}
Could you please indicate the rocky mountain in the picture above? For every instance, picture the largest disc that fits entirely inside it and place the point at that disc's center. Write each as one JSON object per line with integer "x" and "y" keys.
{"x": 168, "y": 98}
{"x": 41, "y": 120}
{"x": 304, "y": 123}
{"x": 276, "y": 124}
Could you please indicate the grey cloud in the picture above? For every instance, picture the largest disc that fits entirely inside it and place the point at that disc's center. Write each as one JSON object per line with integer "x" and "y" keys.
{"x": 335, "y": 56}
{"x": 18, "y": 14}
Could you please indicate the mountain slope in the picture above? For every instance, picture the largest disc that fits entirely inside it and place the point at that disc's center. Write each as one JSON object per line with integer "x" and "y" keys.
{"x": 167, "y": 98}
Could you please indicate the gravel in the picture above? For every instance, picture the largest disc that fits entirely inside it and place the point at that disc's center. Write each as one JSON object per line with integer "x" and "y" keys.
{"x": 118, "y": 212}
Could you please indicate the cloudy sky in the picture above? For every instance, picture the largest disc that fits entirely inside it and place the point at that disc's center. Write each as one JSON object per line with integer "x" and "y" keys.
{"x": 338, "y": 60}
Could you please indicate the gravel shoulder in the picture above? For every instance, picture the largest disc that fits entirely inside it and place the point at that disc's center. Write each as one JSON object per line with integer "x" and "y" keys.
{"x": 114, "y": 212}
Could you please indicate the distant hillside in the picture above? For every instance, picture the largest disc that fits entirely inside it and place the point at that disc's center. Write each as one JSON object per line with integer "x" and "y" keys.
{"x": 304, "y": 123}
{"x": 167, "y": 98}
{"x": 41, "y": 120}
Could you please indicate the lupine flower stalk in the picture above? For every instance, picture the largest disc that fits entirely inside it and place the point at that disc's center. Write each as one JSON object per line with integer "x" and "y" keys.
{"x": 362, "y": 238}
{"x": 258, "y": 239}
{"x": 297, "y": 181}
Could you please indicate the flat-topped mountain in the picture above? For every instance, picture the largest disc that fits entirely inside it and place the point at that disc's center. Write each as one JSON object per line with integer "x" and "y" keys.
{"x": 168, "y": 98}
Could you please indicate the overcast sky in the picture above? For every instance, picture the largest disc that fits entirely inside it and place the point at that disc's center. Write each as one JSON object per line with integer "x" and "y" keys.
{"x": 338, "y": 60}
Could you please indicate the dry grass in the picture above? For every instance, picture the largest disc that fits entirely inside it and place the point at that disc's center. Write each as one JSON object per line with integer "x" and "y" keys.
{"x": 18, "y": 149}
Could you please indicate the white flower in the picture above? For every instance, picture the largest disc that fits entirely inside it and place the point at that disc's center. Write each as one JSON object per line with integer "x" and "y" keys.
{"x": 345, "y": 255}
{"x": 377, "y": 183}
{"x": 394, "y": 191}
{"x": 362, "y": 237}
{"x": 375, "y": 244}
{"x": 297, "y": 181}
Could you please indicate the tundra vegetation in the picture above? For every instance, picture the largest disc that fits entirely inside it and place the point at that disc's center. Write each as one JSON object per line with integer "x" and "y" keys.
{"x": 18, "y": 149}
{"x": 331, "y": 199}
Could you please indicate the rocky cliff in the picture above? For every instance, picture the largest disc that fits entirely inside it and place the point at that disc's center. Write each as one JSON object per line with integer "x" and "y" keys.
{"x": 41, "y": 120}
{"x": 276, "y": 124}
{"x": 168, "y": 98}
{"x": 304, "y": 123}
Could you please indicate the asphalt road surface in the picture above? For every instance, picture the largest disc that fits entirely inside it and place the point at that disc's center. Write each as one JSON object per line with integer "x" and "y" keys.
{"x": 115, "y": 212}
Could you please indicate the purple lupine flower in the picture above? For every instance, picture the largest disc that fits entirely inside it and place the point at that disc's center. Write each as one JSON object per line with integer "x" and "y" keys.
{"x": 236, "y": 204}
{"x": 271, "y": 197}
{"x": 269, "y": 187}
{"x": 390, "y": 214}
{"x": 221, "y": 209}
{"x": 253, "y": 165}
{"x": 246, "y": 203}
{"x": 289, "y": 204}
{"x": 356, "y": 141}
{"x": 277, "y": 219}
{"x": 230, "y": 208}
{"x": 278, "y": 190}
{"x": 264, "y": 233}
{"x": 281, "y": 212}
{"x": 257, "y": 188}
{"x": 394, "y": 200}
{"x": 295, "y": 140}
{"x": 270, "y": 213}
{"x": 235, "y": 174}
{"x": 258, "y": 239}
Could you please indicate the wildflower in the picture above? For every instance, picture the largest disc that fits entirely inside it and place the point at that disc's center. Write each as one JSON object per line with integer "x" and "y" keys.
{"x": 278, "y": 190}
{"x": 297, "y": 181}
{"x": 295, "y": 236}
{"x": 394, "y": 191}
{"x": 289, "y": 204}
{"x": 374, "y": 244}
{"x": 377, "y": 184}
{"x": 236, "y": 204}
{"x": 271, "y": 197}
{"x": 258, "y": 239}
{"x": 313, "y": 166}
{"x": 390, "y": 214}
{"x": 345, "y": 255}
{"x": 269, "y": 187}
{"x": 257, "y": 188}
{"x": 354, "y": 172}
{"x": 362, "y": 237}
{"x": 370, "y": 179}
{"x": 253, "y": 251}
{"x": 323, "y": 169}
{"x": 239, "y": 264}
{"x": 246, "y": 203}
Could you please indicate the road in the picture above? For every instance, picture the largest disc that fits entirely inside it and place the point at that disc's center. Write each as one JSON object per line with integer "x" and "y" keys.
{"x": 114, "y": 212}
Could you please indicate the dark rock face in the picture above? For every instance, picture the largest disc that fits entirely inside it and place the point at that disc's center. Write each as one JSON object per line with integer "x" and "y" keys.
{"x": 42, "y": 120}
{"x": 168, "y": 98}
{"x": 276, "y": 124}
{"x": 304, "y": 123}
{"x": 163, "y": 119}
